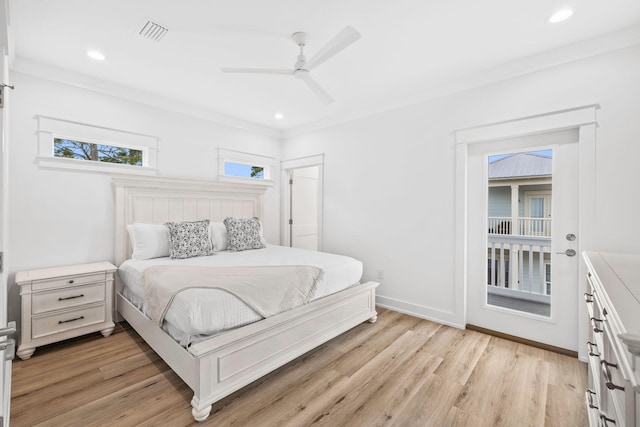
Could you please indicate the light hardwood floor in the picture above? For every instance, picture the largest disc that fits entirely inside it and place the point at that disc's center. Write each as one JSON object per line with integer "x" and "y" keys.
{"x": 401, "y": 371}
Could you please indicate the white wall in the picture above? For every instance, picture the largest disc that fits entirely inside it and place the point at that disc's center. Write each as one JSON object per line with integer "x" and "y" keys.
{"x": 61, "y": 217}
{"x": 389, "y": 178}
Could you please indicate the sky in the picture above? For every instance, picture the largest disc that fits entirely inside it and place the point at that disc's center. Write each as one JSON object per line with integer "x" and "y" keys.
{"x": 237, "y": 169}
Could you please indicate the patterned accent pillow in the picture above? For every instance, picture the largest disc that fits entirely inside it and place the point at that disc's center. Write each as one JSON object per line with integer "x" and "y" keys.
{"x": 189, "y": 239}
{"x": 243, "y": 234}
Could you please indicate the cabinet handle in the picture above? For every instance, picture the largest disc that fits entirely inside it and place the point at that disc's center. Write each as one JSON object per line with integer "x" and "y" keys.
{"x": 607, "y": 375}
{"x": 590, "y": 347}
{"x": 70, "y": 320}
{"x": 590, "y": 395}
{"x": 606, "y": 420}
{"x": 595, "y": 328}
{"x": 588, "y": 297}
{"x": 71, "y": 281}
{"x": 73, "y": 297}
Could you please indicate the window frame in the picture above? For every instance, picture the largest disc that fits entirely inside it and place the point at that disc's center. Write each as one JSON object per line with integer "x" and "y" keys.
{"x": 249, "y": 159}
{"x": 50, "y": 129}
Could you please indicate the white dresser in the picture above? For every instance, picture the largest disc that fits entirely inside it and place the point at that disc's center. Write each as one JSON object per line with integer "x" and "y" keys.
{"x": 613, "y": 303}
{"x": 65, "y": 302}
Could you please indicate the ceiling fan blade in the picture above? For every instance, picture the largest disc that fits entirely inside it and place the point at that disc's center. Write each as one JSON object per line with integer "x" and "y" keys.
{"x": 258, "y": 71}
{"x": 343, "y": 39}
{"x": 315, "y": 88}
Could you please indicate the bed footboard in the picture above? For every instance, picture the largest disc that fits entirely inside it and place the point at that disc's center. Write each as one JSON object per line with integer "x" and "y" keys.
{"x": 225, "y": 363}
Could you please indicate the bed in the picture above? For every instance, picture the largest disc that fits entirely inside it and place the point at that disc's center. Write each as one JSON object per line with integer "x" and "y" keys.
{"x": 217, "y": 365}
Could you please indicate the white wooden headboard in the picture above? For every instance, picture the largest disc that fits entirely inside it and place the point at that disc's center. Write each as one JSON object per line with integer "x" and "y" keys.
{"x": 156, "y": 200}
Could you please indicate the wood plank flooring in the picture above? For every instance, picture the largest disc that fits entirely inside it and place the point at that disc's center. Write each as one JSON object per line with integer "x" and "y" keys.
{"x": 401, "y": 371}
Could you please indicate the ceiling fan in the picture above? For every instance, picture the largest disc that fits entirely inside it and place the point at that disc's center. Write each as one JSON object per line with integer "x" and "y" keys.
{"x": 302, "y": 67}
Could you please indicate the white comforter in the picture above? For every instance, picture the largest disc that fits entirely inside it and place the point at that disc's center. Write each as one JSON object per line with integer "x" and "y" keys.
{"x": 198, "y": 313}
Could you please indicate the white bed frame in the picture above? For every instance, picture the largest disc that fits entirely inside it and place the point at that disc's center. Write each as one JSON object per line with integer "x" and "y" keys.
{"x": 218, "y": 366}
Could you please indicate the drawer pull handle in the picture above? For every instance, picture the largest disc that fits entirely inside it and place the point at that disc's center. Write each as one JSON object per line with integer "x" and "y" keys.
{"x": 71, "y": 281}
{"x": 588, "y": 297}
{"x": 606, "y": 420}
{"x": 70, "y": 320}
{"x": 590, "y": 347}
{"x": 590, "y": 395}
{"x": 595, "y": 327}
{"x": 73, "y": 297}
{"x": 607, "y": 375}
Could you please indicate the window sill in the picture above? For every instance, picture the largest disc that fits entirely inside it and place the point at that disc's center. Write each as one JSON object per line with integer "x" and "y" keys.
{"x": 90, "y": 166}
{"x": 243, "y": 180}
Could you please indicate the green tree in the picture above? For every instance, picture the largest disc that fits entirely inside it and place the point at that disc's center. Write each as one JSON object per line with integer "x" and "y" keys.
{"x": 96, "y": 152}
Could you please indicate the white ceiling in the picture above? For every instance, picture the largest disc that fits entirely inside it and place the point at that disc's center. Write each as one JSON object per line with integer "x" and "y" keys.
{"x": 408, "y": 48}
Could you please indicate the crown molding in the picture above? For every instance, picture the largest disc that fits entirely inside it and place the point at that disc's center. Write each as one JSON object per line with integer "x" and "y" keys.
{"x": 59, "y": 75}
{"x": 618, "y": 40}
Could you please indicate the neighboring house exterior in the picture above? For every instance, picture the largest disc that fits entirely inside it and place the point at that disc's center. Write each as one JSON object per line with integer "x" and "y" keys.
{"x": 519, "y": 227}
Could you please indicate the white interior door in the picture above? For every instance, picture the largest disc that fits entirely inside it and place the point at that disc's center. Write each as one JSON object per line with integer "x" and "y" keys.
{"x": 304, "y": 200}
{"x": 7, "y": 344}
{"x": 560, "y": 327}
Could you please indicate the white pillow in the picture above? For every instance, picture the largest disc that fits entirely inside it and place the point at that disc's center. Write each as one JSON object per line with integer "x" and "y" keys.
{"x": 218, "y": 234}
{"x": 148, "y": 240}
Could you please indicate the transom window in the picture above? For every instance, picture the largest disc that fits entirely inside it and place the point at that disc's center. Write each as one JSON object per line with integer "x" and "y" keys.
{"x": 80, "y": 150}
{"x": 241, "y": 169}
{"x": 242, "y": 166}
{"x": 76, "y": 146}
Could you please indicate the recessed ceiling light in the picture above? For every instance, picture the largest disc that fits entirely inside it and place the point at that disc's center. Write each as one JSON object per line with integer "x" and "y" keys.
{"x": 279, "y": 116}
{"x": 98, "y": 56}
{"x": 559, "y": 16}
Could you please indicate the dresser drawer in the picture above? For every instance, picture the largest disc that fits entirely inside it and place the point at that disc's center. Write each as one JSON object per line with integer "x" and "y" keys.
{"x": 55, "y": 323}
{"x": 39, "y": 285}
{"x": 65, "y": 298}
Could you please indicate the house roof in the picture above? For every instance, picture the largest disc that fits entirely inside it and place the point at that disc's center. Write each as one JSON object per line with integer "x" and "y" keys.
{"x": 520, "y": 165}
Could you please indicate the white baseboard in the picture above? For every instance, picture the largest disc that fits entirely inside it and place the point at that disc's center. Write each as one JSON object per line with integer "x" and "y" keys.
{"x": 440, "y": 316}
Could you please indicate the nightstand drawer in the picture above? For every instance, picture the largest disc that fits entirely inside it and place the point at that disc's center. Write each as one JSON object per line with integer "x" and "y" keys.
{"x": 39, "y": 285}
{"x": 48, "y": 325}
{"x": 65, "y": 298}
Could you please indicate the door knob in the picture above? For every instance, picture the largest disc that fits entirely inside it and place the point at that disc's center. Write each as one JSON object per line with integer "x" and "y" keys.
{"x": 571, "y": 237}
{"x": 568, "y": 252}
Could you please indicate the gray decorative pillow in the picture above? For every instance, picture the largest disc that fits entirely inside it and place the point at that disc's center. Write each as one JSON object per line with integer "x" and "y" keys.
{"x": 189, "y": 239}
{"x": 243, "y": 234}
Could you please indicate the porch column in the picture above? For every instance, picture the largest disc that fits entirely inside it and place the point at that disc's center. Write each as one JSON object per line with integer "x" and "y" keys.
{"x": 515, "y": 249}
{"x": 514, "y": 209}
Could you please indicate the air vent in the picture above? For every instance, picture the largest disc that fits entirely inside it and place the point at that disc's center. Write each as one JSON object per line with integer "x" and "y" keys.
{"x": 152, "y": 30}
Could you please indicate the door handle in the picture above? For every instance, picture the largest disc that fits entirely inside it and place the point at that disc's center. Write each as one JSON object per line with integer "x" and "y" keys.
{"x": 8, "y": 345}
{"x": 9, "y": 330}
{"x": 568, "y": 252}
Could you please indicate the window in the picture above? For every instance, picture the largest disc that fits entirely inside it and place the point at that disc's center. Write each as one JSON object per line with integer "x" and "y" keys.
{"x": 79, "y": 150}
{"x": 241, "y": 166}
{"x": 65, "y": 144}
{"x": 247, "y": 171}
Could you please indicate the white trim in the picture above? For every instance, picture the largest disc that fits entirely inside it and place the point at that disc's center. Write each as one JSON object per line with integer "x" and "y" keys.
{"x": 439, "y": 316}
{"x": 50, "y": 128}
{"x": 547, "y": 122}
{"x": 86, "y": 82}
{"x": 226, "y": 155}
{"x": 92, "y": 166}
{"x": 566, "y": 54}
{"x": 582, "y": 118}
{"x": 303, "y": 162}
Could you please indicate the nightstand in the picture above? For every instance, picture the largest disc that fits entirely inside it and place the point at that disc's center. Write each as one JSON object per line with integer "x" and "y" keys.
{"x": 65, "y": 302}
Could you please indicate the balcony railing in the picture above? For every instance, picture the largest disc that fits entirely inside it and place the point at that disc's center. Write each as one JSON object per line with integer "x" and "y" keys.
{"x": 525, "y": 226}
{"x": 517, "y": 267}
